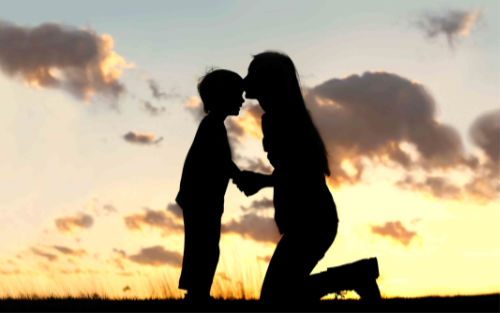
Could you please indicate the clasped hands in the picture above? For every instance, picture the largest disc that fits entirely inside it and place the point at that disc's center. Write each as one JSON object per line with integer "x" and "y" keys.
{"x": 249, "y": 182}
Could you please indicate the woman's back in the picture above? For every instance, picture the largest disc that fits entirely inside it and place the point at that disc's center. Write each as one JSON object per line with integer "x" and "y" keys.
{"x": 301, "y": 195}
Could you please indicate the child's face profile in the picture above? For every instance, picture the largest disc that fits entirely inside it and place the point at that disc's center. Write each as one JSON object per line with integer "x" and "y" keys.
{"x": 233, "y": 100}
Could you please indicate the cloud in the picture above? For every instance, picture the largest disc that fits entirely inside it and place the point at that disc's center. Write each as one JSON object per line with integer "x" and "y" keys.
{"x": 155, "y": 89}
{"x": 141, "y": 138}
{"x": 383, "y": 119}
{"x": 262, "y": 204}
{"x": 69, "y": 251}
{"x": 175, "y": 209}
{"x": 70, "y": 223}
{"x": 396, "y": 231}
{"x": 126, "y": 288}
{"x": 255, "y": 165}
{"x": 451, "y": 23}
{"x": 109, "y": 208}
{"x": 154, "y": 111}
{"x": 194, "y": 106}
{"x": 49, "y": 256}
{"x": 439, "y": 187}
{"x": 155, "y": 219}
{"x": 121, "y": 252}
{"x": 377, "y": 116}
{"x": 265, "y": 259}
{"x": 248, "y": 123}
{"x": 157, "y": 256}
{"x": 60, "y": 56}
{"x": 485, "y": 133}
{"x": 255, "y": 227}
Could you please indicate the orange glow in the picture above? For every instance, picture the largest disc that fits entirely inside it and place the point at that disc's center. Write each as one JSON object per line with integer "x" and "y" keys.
{"x": 113, "y": 64}
{"x": 251, "y": 126}
{"x": 194, "y": 102}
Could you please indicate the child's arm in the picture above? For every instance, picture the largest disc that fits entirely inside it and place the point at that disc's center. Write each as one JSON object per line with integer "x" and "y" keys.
{"x": 234, "y": 171}
{"x": 251, "y": 182}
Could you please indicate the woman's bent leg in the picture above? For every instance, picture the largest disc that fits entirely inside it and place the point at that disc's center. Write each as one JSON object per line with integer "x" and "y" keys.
{"x": 296, "y": 255}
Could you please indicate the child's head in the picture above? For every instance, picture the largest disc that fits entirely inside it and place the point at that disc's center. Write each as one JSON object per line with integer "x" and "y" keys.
{"x": 221, "y": 91}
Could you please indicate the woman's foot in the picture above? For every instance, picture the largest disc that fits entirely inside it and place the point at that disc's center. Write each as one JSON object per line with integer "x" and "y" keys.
{"x": 359, "y": 276}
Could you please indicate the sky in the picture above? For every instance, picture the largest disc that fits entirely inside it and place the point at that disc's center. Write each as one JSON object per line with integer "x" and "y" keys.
{"x": 98, "y": 108}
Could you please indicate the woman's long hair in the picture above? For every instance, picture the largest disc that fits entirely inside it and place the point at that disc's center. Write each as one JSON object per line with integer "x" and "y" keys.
{"x": 280, "y": 80}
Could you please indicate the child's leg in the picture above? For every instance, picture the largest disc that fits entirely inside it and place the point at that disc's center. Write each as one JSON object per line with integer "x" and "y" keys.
{"x": 201, "y": 253}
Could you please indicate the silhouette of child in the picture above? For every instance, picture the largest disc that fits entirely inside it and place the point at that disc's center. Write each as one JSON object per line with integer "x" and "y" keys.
{"x": 205, "y": 176}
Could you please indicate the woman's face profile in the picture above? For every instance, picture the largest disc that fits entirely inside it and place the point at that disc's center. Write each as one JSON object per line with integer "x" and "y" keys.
{"x": 255, "y": 85}
{"x": 250, "y": 82}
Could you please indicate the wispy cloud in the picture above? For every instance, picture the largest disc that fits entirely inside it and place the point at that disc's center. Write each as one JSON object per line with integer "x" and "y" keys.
{"x": 157, "y": 256}
{"x": 255, "y": 227}
{"x": 70, "y": 223}
{"x": 141, "y": 138}
{"x": 154, "y": 219}
{"x": 396, "y": 231}
{"x": 69, "y": 251}
{"x": 175, "y": 209}
{"x": 451, "y": 23}
{"x": 155, "y": 89}
{"x": 49, "y": 256}
{"x": 153, "y": 110}
{"x": 262, "y": 204}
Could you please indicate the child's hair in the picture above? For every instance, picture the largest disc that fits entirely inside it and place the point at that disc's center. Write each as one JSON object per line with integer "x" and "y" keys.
{"x": 214, "y": 85}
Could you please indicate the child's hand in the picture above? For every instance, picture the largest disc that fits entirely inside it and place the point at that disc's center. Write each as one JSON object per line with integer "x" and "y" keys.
{"x": 248, "y": 182}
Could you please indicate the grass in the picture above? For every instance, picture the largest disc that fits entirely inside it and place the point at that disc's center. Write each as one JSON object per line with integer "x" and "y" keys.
{"x": 477, "y": 303}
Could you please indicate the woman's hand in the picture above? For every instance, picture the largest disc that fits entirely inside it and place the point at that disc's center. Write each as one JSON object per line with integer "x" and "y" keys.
{"x": 250, "y": 183}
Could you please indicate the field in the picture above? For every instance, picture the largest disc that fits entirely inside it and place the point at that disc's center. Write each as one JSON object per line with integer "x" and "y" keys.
{"x": 479, "y": 303}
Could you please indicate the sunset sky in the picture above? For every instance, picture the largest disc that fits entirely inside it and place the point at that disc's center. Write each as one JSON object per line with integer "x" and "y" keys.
{"x": 98, "y": 108}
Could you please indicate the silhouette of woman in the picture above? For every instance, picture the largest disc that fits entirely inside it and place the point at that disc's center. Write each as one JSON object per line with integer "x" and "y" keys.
{"x": 305, "y": 211}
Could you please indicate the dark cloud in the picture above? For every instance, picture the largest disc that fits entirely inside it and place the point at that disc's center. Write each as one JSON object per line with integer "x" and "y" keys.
{"x": 156, "y": 219}
{"x": 49, "y": 256}
{"x": 372, "y": 116}
{"x": 60, "y": 56}
{"x": 175, "y": 209}
{"x": 439, "y": 187}
{"x": 262, "y": 204}
{"x": 70, "y": 223}
{"x": 157, "y": 256}
{"x": 155, "y": 89}
{"x": 109, "y": 208}
{"x": 253, "y": 226}
{"x": 141, "y": 138}
{"x": 451, "y": 23}
{"x": 69, "y": 251}
{"x": 485, "y": 133}
{"x": 396, "y": 231}
{"x": 126, "y": 288}
{"x": 154, "y": 111}
{"x": 122, "y": 253}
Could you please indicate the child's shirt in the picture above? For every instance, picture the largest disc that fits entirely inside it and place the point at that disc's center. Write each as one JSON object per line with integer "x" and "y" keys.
{"x": 207, "y": 168}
